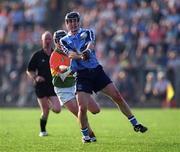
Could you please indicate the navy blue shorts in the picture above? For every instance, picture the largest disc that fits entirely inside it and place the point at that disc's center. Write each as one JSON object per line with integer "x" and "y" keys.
{"x": 92, "y": 80}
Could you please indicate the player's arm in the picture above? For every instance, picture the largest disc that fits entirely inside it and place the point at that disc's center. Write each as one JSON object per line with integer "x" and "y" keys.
{"x": 74, "y": 55}
{"x": 90, "y": 45}
{"x": 64, "y": 68}
{"x": 90, "y": 40}
{"x": 70, "y": 52}
{"x": 64, "y": 71}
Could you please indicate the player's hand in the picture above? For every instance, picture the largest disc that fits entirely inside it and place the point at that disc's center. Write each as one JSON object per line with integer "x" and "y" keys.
{"x": 73, "y": 55}
{"x": 64, "y": 75}
{"x": 63, "y": 68}
{"x": 86, "y": 54}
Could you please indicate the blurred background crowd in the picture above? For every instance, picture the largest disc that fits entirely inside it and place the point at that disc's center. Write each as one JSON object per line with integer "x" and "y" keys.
{"x": 137, "y": 42}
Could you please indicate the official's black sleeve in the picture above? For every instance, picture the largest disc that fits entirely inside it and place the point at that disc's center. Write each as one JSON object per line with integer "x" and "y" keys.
{"x": 32, "y": 65}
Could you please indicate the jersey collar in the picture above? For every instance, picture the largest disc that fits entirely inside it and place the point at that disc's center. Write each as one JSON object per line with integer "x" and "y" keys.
{"x": 69, "y": 34}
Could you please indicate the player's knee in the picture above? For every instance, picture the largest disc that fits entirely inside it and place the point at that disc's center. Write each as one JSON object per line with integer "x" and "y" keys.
{"x": 96, "y": 111}
{"x": 116, "y": 96}
{"x": 56, "y": 110}
{"x": 44, "y": 116}
{"x": 45, "y": 113}
{"x": 82, "y": 109}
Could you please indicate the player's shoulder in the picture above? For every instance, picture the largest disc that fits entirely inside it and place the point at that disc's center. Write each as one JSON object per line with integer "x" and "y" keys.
{"x": 65, "y": 38}
{"x": 54, "y": 55}
{"x": 57, "y": 52}
{"x": 89, "y": 31}
{"x": 86, "y": 30}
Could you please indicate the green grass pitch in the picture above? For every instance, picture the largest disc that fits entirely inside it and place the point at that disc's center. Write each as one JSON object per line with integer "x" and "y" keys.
{"x": 19, "y": 129}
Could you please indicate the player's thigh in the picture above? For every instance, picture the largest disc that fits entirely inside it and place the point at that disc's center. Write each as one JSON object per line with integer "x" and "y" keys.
{"x": 72, "y": 106}
{"x": 111, "y": 91}
{"x": 44, "y": 105}
{"x": 93, "y": 106}
{"x": 56, "y": 107}
{"x": 83, "y": 99}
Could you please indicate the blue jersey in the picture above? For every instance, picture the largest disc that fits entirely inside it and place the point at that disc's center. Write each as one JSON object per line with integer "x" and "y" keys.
{"x": 78, "y": 43}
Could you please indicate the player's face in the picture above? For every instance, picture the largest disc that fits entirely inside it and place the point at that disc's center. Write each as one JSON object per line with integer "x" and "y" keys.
{"x": 72, "y": 25}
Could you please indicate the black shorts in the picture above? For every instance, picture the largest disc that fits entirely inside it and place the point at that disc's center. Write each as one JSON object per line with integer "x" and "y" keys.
{"x": 44, "y": 90}
{"x": 92, "y": 80}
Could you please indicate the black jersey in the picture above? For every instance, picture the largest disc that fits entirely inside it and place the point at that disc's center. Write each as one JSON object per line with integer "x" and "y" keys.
{"x": 39, "y": 63}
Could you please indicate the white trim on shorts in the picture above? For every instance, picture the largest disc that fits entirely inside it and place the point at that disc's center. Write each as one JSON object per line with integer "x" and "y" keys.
{"x": 65, "y": 94}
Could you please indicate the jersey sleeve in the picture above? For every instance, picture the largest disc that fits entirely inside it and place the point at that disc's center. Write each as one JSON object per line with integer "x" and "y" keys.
{"x": 65, "y": 46}
{"x": 33, "y": 63}
{"x": 90, "y": 36}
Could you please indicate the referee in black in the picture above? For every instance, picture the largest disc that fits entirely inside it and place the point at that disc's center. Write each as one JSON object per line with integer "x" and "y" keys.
{"x": 39, "y": 71}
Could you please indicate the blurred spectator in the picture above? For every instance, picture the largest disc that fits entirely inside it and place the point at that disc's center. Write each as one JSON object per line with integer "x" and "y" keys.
{"x": 3, "y": 22}
{"x": 126, "y": 86}
{"x": 151, "y": 58}
{"x": 172, "y": 63}
{"x": 149, "y": 86}
{"x": 163, "y": 90}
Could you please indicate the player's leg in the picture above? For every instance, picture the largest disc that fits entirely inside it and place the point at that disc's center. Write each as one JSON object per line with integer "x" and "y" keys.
{"x": 83, "y": 99}
{"x": 111, "y": 91}
{"x": 82, "y": 104}
{"x": 72, "y": 106}
{"x": 68, "y": 99}
{"x": 93, "y": 106}
{"x": 54, "y": 104}
{"x": 84, "y": 88}
{"x": 44, "y": 105}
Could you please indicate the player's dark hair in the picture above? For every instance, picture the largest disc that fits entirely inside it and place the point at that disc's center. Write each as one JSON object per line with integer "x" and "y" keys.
{"x": 72, "y": 15}
{"x": 58, "y": 35}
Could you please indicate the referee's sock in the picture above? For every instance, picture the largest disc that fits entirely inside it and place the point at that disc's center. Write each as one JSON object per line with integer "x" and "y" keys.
{"x": 43, "y": 122}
